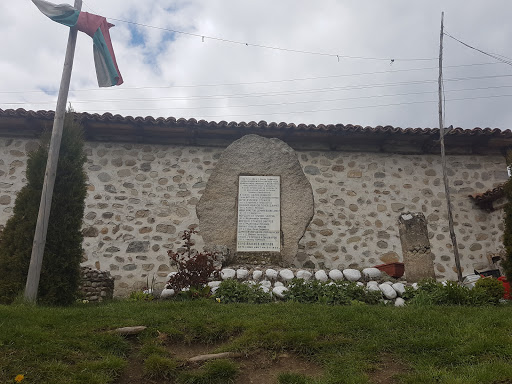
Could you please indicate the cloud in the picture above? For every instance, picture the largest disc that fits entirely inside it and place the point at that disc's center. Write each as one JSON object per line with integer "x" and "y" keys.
{"x": 172, "y": 74}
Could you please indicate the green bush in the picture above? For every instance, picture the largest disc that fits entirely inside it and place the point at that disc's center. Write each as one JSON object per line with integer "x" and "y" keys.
{"x": 430, "y": 292}
{"x": 233, "y": 291}
{"x": 61, "y": 262}
{"x": 334, "y": 293}
{"x": 493, "y": 288}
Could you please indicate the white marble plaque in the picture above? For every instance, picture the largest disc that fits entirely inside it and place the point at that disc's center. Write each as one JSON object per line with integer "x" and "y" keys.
{"x": 259, "y": 214}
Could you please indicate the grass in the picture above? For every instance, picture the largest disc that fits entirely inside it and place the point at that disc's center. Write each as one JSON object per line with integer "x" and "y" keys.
{"x": 430, "y": 344}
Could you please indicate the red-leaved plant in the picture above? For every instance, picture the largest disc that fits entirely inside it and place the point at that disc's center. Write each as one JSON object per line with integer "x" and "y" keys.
{"x": 194, "y": 268}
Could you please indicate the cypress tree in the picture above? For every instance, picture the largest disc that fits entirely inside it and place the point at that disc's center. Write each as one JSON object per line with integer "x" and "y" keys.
{"x": 60, "y": 272}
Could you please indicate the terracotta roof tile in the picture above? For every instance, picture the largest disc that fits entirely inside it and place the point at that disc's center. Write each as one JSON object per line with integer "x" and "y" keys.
{"x": 484, "y": 200}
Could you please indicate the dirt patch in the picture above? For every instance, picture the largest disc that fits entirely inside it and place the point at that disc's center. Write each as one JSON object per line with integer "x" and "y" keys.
{"x": 387, "y": 370}
{"x": 257, "y": 367}
{"x": 260, "y": 368}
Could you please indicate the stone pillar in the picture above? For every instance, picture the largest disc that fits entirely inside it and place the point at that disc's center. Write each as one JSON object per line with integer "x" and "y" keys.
{"x": 418, "y": 260}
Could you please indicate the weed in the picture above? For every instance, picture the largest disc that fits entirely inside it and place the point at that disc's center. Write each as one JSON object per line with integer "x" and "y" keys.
{"x": 233, "y": 291}
{"x": 213, "y": 372}
{"x": 156, "y": 366}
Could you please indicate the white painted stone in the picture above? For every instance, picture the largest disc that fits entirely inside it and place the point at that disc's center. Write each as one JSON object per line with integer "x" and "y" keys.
{"x": 279, "y": 292}
{"x": 372, "y": 273}
{"x": 321, "y": 275}
{"x": 359, "y": 284}
{"x": 171, "y": 275}
{"x": 167, "y": 293}
{"x": 212, "y": 284}
{"x": 242, "y": 273}
{"x": 227, "y": 273}
{"x": 286, "y": 274}
{"x": 399, "y": 288}
{"x": 271, "y": 274}
{"x": 278, "y": 284}
{"x": 306, "y": 275}
{"x": 399, "y": 302}
{"x": 265, "y": 289}
{"x": 388, "y": 291}
{"x": 266, "y": 283}
{"x": 373, "y": 288}
{"x": 352, "y": 274}
{"x": 256, "y": 275}
{"x": 414, "y": 286}
{"x": 335, "y": 274}
{"x": 214, "y": 289}
{"x": 372, "y": 282}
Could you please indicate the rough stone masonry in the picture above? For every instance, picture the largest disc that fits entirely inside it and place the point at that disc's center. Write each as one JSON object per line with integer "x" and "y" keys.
{"x": 141, "y": 197}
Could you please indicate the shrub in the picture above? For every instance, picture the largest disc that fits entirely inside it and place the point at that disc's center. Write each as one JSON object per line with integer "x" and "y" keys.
{"x": 194, "y": 268}
{"x": 63, "y": 251}
{"x": 493, "y": 288}
{"x": 233, "y": 291}
{"x": 338, "y": 293}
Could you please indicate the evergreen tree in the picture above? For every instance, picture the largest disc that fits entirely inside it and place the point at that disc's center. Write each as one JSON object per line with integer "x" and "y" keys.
{"x": 60, "y": 272}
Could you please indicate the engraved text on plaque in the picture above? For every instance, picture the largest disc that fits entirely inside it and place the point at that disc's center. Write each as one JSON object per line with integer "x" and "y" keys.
{"x": 259, "y": 214}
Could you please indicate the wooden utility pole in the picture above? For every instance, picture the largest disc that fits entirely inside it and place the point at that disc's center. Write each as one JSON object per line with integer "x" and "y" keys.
{"x": 36, "y": 260}
{"x": 443, "y": 157}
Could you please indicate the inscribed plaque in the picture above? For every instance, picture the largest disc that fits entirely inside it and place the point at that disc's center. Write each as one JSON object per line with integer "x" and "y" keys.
{"x": 259, "y": 214}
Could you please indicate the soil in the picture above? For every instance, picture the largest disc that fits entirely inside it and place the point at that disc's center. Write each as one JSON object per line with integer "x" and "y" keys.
{"x": 258, "y": 367}
{"x": 387, "y": 370}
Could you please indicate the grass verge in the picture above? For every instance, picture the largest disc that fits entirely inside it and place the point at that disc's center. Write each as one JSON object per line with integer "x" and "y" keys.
{"x": 430, "y": 344}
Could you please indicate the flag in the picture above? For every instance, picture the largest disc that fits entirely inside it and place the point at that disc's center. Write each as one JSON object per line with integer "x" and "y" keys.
{"x": 95, "y": 26}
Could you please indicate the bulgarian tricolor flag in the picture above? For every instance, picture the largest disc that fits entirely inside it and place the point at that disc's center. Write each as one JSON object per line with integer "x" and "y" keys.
{"x": 95, "y": 26}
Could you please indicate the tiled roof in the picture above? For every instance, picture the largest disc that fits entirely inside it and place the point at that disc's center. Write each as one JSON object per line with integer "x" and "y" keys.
{"x": 201, "y": 132}
{"x": 171, "y": 121}
{"x": 484, "y": 200}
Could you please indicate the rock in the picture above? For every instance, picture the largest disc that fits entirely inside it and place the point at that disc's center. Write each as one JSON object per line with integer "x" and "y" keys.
{"x": 265, "y": 289}
{"x": 171, "y": 274}
{"x": 359, "y": 284}
{"x": 138, "y": 246}
{"x": 399, "y": 302}
{"x": 306, "y": 275}
{"x": 227, "y": 273}
{"x": 388, "y": 291}
{"x": 335, "y": 274}
{"x": 399, "y": 288}
{"x": 373, "y": 287}
{"x": 372, "y": 282}
{"x": 286, "y": 274}
{"x": 213, "y": 356}
{"x": 213, "y": 284}
{"x": 271, "y": 274}
{"x": 414, "y": 286}
{"x": 278, "y": 284}
{"x": 256, "y": 155}
{"x": 372, "y": 273}
{"x": 167, "y": 293}
{"x": 279, "y": 292}
{"x": 321, "y": 275}
{"x": 128, "y": 331}
{"x": 352, "y": 274}
{"x": 213, "y": 290}
{"x": 266, "y": 283}
{"x": 242, "y": 273}
{"x": 256, "y": 275}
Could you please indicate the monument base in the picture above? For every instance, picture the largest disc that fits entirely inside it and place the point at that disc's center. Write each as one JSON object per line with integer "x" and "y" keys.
{"x": 259, "y": 258}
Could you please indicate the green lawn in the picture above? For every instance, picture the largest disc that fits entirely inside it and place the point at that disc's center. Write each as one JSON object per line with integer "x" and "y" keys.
{"x": 351, "y": 344}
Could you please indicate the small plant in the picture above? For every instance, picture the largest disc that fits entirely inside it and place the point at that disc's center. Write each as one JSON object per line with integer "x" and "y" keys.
{"x": 156, "y": 366}
{"x": 492, "y": 287}
{"x": 194, "y": 268}
{"x": 140, "y": 296}
{"x": 213, "y": 372}
{"x": 233, "y": 291}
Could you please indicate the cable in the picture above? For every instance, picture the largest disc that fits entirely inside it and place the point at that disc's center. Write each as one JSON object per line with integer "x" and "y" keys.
{"x": 500, "y": 58}
{"x": 254, "y": 82}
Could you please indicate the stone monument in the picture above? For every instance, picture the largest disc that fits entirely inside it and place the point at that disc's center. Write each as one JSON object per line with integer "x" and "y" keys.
{"x": 418, "y": 260}
{"x": 257, "y": 202}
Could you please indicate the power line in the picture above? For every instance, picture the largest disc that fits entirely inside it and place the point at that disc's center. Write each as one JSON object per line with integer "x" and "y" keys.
{"x": 258, "y": 105}
{"x": 500, "y": 58}
{"x": 257, "y": 82}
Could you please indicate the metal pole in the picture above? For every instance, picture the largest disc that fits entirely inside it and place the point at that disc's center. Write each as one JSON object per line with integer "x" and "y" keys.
{"x": 36, "y": 259}
{"x": 443, "y": 158}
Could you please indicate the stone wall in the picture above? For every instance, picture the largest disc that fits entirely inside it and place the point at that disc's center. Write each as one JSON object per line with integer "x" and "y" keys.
{"x": 95, "y": 286}
{"x": 141, "y": 197}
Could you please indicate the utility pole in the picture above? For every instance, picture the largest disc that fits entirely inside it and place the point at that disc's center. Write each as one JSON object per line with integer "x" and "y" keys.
{"x": 443, "y": 157}
{"x": 36, "y": 259}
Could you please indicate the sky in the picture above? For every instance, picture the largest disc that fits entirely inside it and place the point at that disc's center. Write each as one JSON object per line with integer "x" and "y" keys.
{"x": 369, "y": 63}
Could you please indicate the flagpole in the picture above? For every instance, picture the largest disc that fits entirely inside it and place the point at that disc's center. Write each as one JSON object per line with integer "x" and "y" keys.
{"x": 36, "y": 259}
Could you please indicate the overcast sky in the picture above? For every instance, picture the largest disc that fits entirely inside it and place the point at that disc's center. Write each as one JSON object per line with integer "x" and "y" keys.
{"x": 180, "y": 75}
